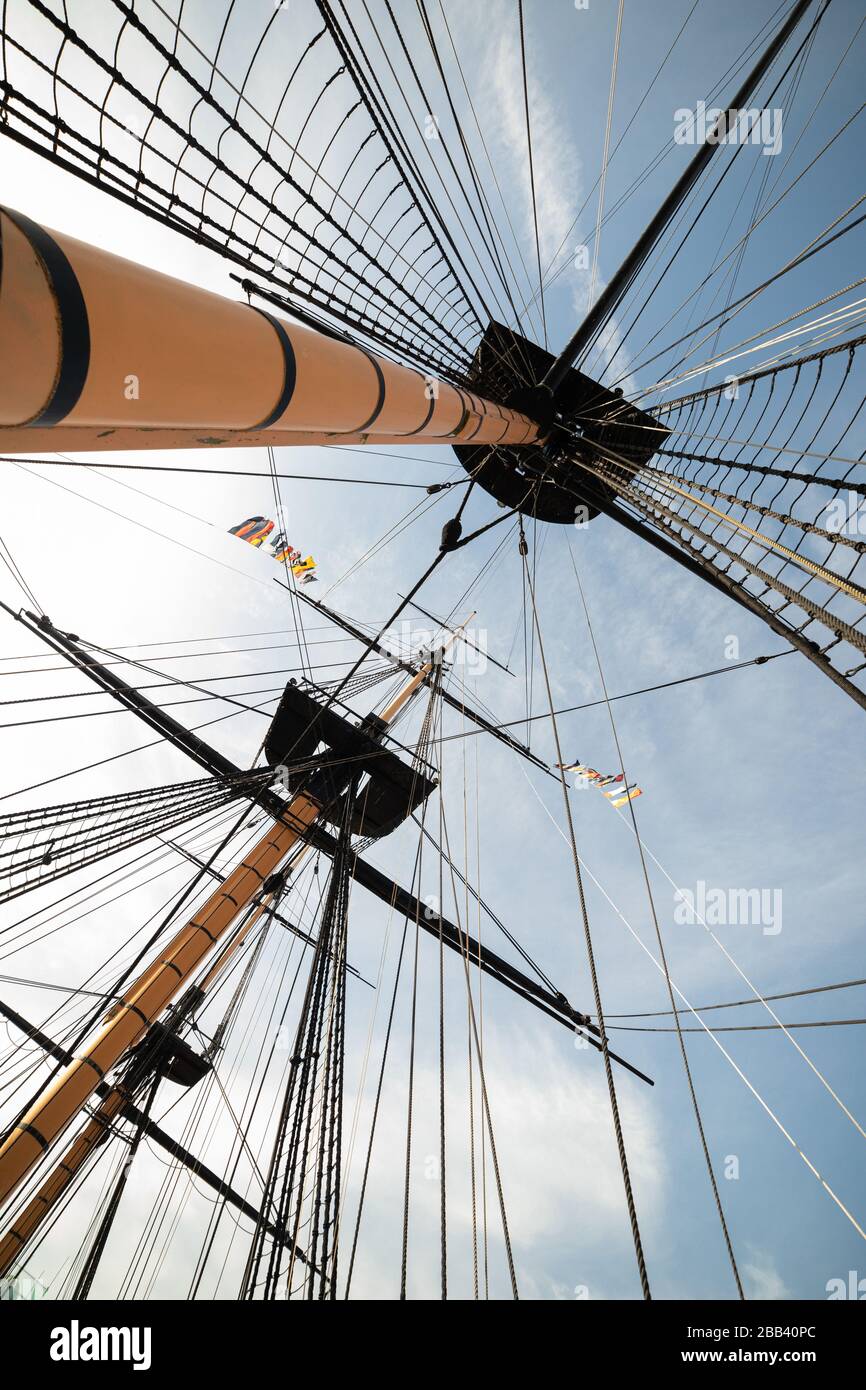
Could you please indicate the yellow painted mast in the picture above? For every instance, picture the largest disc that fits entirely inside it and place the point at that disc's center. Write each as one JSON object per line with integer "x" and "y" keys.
{"x": 97, "y": 352}
{"x": 28, "y": 1221}
{"x": 140, "y": 1006}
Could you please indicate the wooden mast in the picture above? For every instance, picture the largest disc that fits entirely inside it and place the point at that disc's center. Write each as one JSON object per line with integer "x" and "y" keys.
{"x": 97, "y": 352}
{"x": 140, "y": 1006}
{"x": 95, "y": 1132}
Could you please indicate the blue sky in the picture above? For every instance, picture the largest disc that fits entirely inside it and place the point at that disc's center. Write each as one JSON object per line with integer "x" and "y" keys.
{"x": 752, "y": 779}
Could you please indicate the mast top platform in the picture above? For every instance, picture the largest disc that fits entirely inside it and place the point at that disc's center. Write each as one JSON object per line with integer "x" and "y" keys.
{"x": 529, "y": 478}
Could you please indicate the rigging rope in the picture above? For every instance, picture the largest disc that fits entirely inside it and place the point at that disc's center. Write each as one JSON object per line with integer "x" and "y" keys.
{"x": 662, "y": 955}
{"x": 611, "y": 1085}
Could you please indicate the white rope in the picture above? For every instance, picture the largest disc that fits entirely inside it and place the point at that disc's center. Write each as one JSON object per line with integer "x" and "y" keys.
{"x": 604, "y": 157}
{"x": 758, "y": 1097}
{"x": 757, "y": 993}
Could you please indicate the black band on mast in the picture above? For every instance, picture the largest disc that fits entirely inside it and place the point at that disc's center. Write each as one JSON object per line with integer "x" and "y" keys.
{"x": 72, "y": 316}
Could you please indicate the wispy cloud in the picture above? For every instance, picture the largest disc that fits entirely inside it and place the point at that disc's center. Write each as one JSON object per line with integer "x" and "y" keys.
{"x": 763, "y": 1278}
{"x": 559, "y": 172}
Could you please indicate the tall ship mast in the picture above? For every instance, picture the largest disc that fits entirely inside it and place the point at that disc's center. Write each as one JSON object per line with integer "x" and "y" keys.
{"x": 434, "y": 650}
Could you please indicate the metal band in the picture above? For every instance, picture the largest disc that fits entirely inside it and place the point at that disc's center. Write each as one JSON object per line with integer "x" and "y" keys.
{"x": 359, "y": 429}
{"x": 209, "y": 934}
{"x": 74, "y": 325}
{"x": 431, "y": 407}
{"x": 463, "y": 418}
{"x": 133, "y": 1008}
{"x": 290, "y": 371}
{"x": 34, "y": 1134}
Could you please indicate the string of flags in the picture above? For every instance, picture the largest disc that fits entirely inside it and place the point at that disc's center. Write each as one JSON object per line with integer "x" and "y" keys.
{"x": 256, "y": 531}
{"x": 611, "y": 785}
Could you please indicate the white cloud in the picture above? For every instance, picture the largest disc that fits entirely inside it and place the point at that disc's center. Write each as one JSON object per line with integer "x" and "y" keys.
{"x": 763, "y": 1280}
{"x": 559, "y": 176}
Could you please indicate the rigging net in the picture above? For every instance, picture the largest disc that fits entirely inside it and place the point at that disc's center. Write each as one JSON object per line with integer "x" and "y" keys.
{"x": 757, "y": 482}
{"x": 126, "y": 98}
{"x": 49, "y": 842}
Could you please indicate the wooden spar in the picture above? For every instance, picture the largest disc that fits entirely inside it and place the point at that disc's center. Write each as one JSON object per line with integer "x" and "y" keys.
{"x": 28, "y": 1221}
{"x": 145, "y": 999}
{"x": 26, "y": 1225}
{"x": 99, "y": 352}
{"x": 98, "y": 1128}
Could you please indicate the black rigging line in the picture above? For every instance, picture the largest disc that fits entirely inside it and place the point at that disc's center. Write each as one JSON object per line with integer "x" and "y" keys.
{"x": 716, "y": 268}
{"x": 61, "y": 989}
{"x": 745, "y": 299}
{"x": 364, "y": 450}
{"x": 611, "y": 1085}
{"x": 103, "y": 506}
{"x": 610, "y": 297}
{"x": 394, "y": 138}
{"x": 132, "y": 866}
{"x": 100, "y": 167}
{"x": 671, "y": 257}
{"x": 297, "y": 613}
{"x": 167, "y": 656}
{"x": 186, "y": 641}
{"x": 665, "y": 251}
{"x": 115, "y": 757}
{"x": 551, "y": 276}
{"x": 254, "y": 1090}
{"x": 741, "y": 1003}
{"x": 412, "y": 516}
{"x": 445, "y": 857}
{"x": 95, "y": 1251}
{"x": 464, "y": 637}
{"x": 489, "y": 246}
{"x": 482, "y": 199}
{"x": 531, "y": 167}
{"x": 94, "y": 1017}
{"x": 65, "y": 855}
{"x": 453, "y": 700}
{"x": 743, "y": 1027}
{"x": 803, "y": 256}
{"x": 9, "y": 562}
{"x": 490, "y": 162}
{"x": 270, "y": 910}
{"x": 232, "y": 123}
{"x": 380, "y": 1081}
{"x": 699, "y": 549}
{"x": 628, "y": 695}
{"x": 662, "y": 954}
{"x": 213, "y": 473}
{"x": 75, "y": 893}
